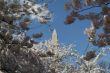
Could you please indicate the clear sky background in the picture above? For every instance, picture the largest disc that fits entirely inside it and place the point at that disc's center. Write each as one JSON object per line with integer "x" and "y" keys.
{"x": 67, "y": 34}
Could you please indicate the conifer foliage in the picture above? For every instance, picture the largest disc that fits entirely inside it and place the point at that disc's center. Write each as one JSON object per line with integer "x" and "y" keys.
{"x": 20, "y": 54}
{"x": 16, "y": 17}
{"x": 99, "y": 20}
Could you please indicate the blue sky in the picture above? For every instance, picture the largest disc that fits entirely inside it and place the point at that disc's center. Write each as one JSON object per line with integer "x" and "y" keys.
{"x": 66, "y": 34}
{"x": 72, "y": 34}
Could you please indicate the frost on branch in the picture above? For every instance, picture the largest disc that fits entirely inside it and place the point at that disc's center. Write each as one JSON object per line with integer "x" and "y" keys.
{"x": 15, "y": 19}
{"x": 54, "y": 59}
{"x": 18, "y": 8}
{"x": 53, "y": 56}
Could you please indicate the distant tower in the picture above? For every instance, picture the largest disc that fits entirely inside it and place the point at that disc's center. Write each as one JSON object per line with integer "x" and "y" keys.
{"x": 54, "y": 38}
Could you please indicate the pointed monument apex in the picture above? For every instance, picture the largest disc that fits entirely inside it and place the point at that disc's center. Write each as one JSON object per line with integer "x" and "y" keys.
{"x": 54, "y": 38}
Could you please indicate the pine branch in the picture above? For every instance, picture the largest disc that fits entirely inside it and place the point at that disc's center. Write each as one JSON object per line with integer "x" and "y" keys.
{"x": 88, "y": 8}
